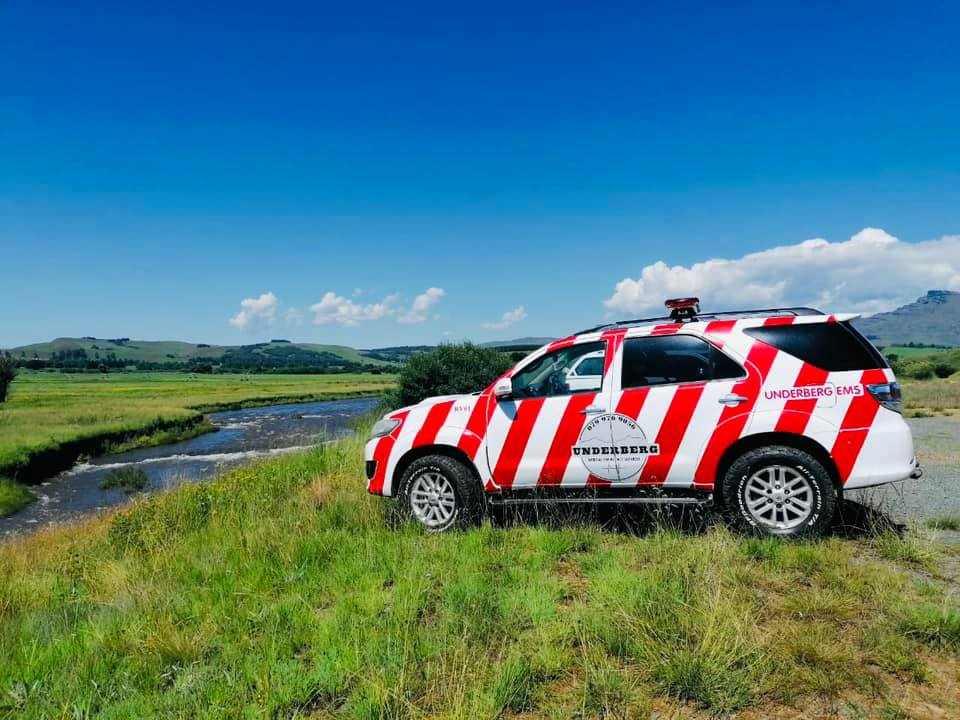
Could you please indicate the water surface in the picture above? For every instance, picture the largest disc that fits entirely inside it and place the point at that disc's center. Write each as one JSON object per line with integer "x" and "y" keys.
{"x": 242, "y": 436}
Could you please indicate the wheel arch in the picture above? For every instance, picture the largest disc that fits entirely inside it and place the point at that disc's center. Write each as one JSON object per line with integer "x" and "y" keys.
{"x": 759, "y": 440}
{"x": 435, "y": 449}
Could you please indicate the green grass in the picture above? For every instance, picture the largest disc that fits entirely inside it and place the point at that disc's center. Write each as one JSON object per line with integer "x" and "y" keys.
{"x": 283, "y": 590}
{"x": 13, "y": 497}
{"x": 944, "y": 522}
{"x": 46, "y": 410}
{"x": 905, "y": 352}
{"x": 128, "y": 479}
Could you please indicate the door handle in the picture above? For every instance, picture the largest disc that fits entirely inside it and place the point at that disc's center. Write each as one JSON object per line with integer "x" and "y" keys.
{"x": 592, "y": 410}
{"x": 732, "y": 400}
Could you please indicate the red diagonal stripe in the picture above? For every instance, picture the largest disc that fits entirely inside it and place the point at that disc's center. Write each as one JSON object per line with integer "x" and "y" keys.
{"x": 476, "y": 428}
{"x": 516, "y": 441}
{"x": 631, "y": 402}
{"x": 854, "y": 428}
{"x": 381, "y": 453}
{"x": 614, "y": 340}
{"x": 670, "y": 435}
{"x": 571, "y": 423}
{"x": 719, "y": 329}
{"x": 734, "y": 419}
{"x": 562, "y": 343}
{"x": 436, "y": 416}
{"x": 796, "y": 413}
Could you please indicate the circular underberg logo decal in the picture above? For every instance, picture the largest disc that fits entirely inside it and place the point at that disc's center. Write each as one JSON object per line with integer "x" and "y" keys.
{"x": 613, "y": 447}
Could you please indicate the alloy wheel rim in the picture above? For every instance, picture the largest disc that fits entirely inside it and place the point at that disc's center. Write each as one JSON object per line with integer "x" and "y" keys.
{"x": 432, "y": 500}
{"x": 779, "y": 497}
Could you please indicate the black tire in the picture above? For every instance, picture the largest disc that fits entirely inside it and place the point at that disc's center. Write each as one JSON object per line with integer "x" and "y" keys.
{"x": 791, "y": 469}
{"x": 466, "y": 491}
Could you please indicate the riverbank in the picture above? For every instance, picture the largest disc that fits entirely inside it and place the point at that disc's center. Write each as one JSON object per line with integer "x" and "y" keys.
{"x": 51, "y": 420}
{"x": 284, "y": 590}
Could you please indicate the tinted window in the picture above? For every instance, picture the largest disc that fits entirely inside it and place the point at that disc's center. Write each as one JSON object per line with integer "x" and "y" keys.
{"x": 553, "y": 373}
{"x": 830, "y": 346}
{"x": 674, "y": 359}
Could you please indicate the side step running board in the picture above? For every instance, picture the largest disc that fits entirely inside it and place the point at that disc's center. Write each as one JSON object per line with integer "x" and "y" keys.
{"x": 603, "y": 501}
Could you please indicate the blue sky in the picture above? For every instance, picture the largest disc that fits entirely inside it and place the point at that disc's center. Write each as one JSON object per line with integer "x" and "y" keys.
{"x": 160, "y": 164}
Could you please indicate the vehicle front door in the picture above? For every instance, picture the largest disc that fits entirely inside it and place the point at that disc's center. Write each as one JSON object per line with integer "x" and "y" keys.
{"x": 531, "y": 436}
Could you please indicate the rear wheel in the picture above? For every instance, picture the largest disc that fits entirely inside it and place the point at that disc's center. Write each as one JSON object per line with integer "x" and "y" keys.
{"x": 440, "y": 493}
{"x": 780, "y": 491}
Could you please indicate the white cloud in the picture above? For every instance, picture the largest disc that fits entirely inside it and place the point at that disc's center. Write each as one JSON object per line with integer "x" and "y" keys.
{"x": 421, "y": 304}
{"x": 253, "y": 310}
{"x": 293, "y": 316}
{"x": 338, "y": 309}
{"x": 871, "y": 272}
{"x": 334, "y": 308}
{"x": 507, "y": 319}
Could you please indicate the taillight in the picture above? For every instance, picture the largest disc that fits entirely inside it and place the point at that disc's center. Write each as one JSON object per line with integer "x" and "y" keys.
{"x": 888, "y": 395}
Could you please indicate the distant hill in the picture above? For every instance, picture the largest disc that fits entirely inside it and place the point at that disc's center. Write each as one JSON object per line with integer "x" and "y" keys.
{"x": 531, "y": 342}
{"x": 90, "y": 352}
{"x": 932, "y": 320}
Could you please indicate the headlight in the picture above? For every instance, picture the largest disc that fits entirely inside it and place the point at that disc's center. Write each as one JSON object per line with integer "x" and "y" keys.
{"x": 384, "y": 426}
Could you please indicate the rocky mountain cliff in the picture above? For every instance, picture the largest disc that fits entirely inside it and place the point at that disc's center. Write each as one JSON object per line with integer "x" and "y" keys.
{"x": 933, "y": 319}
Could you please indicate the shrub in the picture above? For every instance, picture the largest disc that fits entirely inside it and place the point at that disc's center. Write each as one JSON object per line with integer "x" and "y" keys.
{"x": 128, "y": 479}
{"x": 447, "y": 370}
{"x": 920, "y": 371}
{"x": 8, "y": 371}
{"x": 943, "y": 370}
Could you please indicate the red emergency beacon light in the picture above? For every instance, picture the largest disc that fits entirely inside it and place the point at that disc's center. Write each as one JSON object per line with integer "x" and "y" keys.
{"x": 683, "y": 309}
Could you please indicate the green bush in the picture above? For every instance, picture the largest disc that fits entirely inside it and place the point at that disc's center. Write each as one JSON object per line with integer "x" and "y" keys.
{"x": 943, "y": 370}
{"x": 920, "y": 371}
{"x": 128, "y": 479}
{"x": 8, "y": 371}
{"x": 447, "y": 370}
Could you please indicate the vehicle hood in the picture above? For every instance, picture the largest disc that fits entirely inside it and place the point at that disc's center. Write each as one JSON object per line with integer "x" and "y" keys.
{"x": 436, "y": 400}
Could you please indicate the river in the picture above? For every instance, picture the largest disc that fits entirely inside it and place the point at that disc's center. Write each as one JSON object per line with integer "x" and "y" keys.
{"x": 241, "y": 437}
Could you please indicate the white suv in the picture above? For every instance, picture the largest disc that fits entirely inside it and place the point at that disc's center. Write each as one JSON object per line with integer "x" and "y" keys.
{"x": 769, "y": 413}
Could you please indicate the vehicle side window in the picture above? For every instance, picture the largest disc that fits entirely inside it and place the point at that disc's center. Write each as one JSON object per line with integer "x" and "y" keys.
{"x": 829, "y": 346}
{"x": 551, "y": 374}
{"x": 672, "y": 359}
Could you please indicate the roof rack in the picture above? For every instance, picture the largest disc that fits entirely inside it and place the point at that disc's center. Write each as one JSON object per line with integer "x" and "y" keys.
{"x": 731, "y": 315}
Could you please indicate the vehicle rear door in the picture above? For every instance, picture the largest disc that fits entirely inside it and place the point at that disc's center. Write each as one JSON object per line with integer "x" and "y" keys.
{"x": 670, "y": 393}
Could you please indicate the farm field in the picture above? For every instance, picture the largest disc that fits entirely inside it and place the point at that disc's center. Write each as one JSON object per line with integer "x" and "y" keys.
{"x": 283, "y": 590}
{"x": 47, "y": 412}
{"x": 939, "y": 396}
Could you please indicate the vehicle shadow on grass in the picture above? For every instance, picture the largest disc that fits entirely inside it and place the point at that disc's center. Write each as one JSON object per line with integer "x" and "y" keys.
{"x": 852, "y": 519}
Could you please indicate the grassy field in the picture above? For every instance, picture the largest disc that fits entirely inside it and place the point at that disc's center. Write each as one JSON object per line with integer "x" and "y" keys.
{"x": 281, "y": 590}
{"x": 51, "y": 412}
{"x": 904, "y": 351}
{"x": 931, "y": 397}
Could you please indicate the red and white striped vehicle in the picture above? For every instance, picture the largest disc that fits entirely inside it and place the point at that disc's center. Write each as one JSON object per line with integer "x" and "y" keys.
{"x": 771, "y": 414}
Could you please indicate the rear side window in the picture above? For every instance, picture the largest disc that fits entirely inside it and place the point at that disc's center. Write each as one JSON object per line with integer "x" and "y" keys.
{"x": 829, "y": 346}
{"x": 674, "y": 359}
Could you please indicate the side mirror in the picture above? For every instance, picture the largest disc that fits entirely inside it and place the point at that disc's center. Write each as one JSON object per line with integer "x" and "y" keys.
{"x": 503, "y": 390}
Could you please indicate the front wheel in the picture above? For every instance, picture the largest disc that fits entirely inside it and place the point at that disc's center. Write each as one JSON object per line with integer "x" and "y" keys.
{"x": 440, "y": 493}
{"x": 780, "y": 491}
